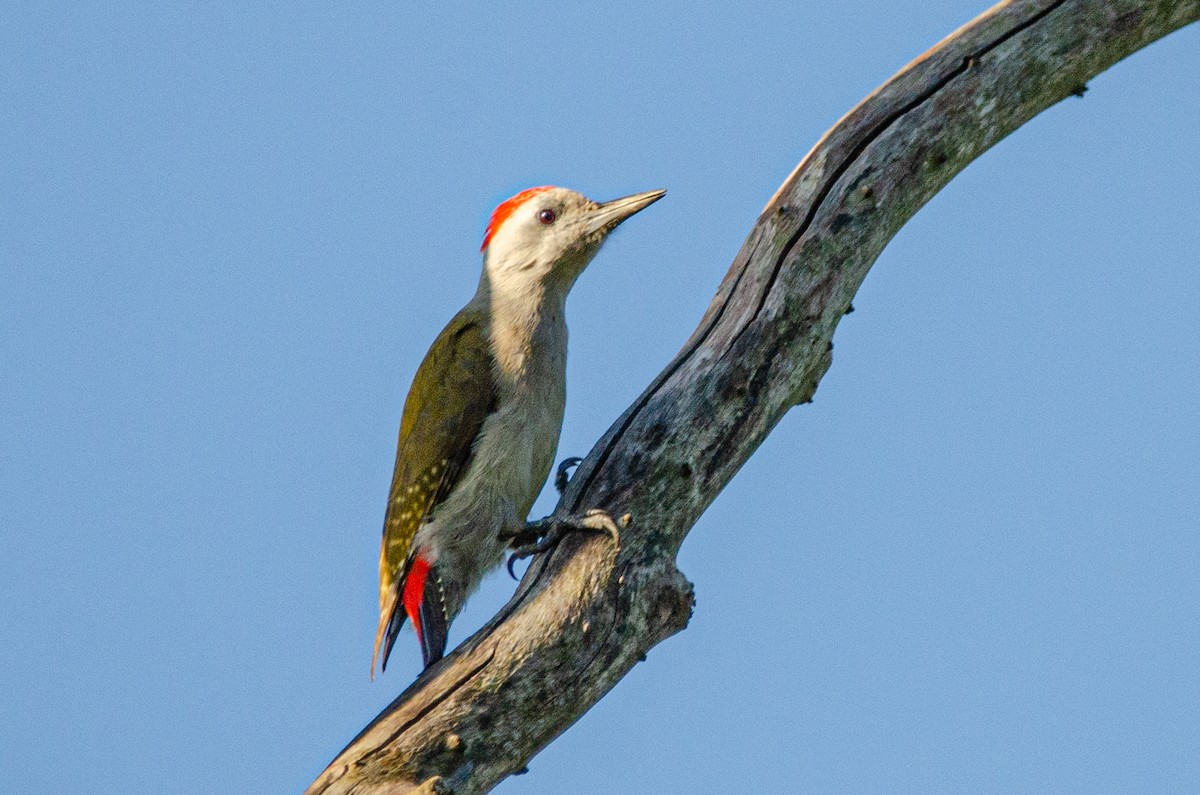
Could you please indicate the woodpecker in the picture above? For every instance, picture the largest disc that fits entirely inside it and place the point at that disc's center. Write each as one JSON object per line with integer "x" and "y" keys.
{"x": 482, "y": 417}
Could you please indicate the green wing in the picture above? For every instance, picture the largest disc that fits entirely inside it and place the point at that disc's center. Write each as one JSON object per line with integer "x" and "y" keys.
{"x": 453, "y": 392}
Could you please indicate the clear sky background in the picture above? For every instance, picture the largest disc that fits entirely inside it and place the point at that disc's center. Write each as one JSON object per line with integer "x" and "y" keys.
{"x": 227, "y": 236}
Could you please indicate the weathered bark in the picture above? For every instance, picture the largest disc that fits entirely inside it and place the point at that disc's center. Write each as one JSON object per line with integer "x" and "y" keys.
{"x": 588, "y": 611}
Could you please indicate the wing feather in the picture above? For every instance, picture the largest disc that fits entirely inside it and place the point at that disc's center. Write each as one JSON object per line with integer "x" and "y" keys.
{"x": 452, "y": 394}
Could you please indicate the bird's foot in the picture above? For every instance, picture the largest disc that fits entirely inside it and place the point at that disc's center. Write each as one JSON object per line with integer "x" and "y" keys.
{"x": 561, "y": 478}
{"x": 532, "y": 532}
{"x": 544, "y": 534}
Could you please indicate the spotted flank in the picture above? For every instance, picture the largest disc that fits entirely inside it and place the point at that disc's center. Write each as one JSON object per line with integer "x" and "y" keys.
{"x": 425, "y": 605}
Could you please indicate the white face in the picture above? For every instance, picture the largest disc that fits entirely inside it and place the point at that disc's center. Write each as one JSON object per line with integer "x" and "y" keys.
{"x": 543, "y": 236}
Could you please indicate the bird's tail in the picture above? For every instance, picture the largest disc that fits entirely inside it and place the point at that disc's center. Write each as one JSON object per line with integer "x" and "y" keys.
{"x": 388, "y": 615}
{"x": 423, "y": 599}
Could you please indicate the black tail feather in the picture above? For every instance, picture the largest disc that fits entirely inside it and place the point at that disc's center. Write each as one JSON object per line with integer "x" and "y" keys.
{"x": 393, "y": 630}
{"x": 435, "y": 623}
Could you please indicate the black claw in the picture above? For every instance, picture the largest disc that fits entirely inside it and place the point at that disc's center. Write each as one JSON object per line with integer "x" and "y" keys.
{"x": 529, "y": 550}
{"x": 529, "y": 540}
{"x": 561, "y": 478}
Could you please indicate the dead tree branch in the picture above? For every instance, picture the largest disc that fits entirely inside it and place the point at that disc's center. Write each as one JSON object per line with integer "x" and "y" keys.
{"x": 587, "y": 612}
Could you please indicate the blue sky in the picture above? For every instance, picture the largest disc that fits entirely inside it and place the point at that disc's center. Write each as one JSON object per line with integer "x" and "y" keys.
{"x": 227, "y": 236}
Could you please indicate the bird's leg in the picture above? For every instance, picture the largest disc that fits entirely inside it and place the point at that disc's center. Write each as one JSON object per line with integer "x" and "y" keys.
{"x": 526, "y": 534}
{"x": 546, "y": 533}
{"x": 561, "y": 478}
{"x": 532, "y": 531}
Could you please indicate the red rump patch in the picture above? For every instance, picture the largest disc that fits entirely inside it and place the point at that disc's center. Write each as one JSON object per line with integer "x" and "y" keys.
{"x": 507, "y": 208}
{"x": 414, "y": 591}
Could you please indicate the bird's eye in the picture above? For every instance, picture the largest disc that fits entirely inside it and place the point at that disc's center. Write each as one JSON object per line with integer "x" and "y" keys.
{"x": 547, "y": 216}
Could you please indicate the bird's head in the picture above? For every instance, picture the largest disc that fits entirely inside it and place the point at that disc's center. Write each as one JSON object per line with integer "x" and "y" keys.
{"x": 548, "y": 235}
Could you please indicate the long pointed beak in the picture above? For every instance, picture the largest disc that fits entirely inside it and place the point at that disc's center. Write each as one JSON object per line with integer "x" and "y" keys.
{"x": 606, "y": 216}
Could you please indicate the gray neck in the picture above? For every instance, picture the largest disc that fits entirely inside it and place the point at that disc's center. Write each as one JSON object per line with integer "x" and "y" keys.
{"x": 527, "y": 329}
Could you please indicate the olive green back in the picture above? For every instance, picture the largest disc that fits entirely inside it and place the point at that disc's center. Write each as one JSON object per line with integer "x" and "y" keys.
{"x": 453, "y": 392}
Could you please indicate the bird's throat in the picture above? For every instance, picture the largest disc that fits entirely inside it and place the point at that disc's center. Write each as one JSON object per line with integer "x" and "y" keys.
{"x": 528, "y": 333}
